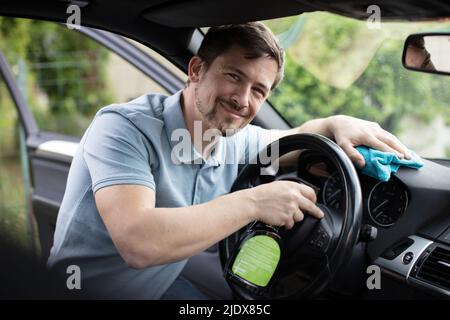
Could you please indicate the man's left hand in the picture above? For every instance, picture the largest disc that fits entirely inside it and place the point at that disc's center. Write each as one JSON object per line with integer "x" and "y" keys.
{"x": 349, "y": 132}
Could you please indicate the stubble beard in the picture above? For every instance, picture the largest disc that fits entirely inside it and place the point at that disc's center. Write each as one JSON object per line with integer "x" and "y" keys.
{"x": 211, "y": 117}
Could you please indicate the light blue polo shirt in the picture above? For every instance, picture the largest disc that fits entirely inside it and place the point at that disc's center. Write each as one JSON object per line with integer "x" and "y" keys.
{"x": 134, "y": 143}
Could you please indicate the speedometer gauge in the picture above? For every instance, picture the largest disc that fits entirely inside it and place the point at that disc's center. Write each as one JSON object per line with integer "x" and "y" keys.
{"x": 387, "y": 202}
{"x": 332, "y": 191}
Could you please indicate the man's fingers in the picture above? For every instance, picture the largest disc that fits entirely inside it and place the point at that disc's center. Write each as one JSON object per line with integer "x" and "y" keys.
{"x": 394, "y": 143}
{"x": 290, "y": 224}
{"x": 353, "y": 154}
{"x": 299, "y": 216}
{"x": 310, "y": 207}
{"x": 380, "y": 145}
{"x": 307, "y": 192}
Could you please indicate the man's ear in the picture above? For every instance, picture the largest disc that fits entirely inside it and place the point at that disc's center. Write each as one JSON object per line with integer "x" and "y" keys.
{"x": 195, "y": 69}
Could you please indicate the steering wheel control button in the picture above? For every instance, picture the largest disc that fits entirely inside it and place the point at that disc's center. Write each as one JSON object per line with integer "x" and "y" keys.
{"x": 408, "y": 257}
{"x": 320, "y": 239}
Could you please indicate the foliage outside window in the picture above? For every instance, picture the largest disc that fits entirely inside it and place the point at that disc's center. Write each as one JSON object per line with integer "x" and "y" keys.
{"x": 337, "y": 65}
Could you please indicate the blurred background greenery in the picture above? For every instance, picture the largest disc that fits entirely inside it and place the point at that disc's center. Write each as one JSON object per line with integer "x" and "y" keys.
{"x": 334, "y": 65}
{"x": 63, "y": 76}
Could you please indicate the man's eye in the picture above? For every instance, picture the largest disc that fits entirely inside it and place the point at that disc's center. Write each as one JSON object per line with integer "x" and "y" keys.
{"x": 259, "y": 92}
{"x": 234, "y": 76}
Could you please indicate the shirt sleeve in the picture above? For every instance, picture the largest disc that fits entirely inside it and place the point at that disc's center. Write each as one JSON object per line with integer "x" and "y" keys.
{"x": 116, "y": 152}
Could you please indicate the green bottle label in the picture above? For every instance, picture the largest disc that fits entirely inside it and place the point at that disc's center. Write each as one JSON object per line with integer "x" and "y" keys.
{"x": 257, "y": 260}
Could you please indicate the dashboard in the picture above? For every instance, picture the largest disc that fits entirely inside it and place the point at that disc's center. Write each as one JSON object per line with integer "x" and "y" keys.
{"x": 410, "y": 212}
{"x": 383, "y": 202}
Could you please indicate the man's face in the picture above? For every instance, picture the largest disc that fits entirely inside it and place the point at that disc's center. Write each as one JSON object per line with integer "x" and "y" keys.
{"x": 229, "y": 93}
{"x": 415, "y": 56}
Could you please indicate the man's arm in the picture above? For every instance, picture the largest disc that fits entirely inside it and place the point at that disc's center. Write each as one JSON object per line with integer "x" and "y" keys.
{"x": 318, "y": 126}
{"x": 348, "y": 133}
{"x": 146, "y": 236}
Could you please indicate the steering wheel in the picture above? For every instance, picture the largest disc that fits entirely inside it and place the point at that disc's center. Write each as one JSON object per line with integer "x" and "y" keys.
{"x": 313, "y": 250}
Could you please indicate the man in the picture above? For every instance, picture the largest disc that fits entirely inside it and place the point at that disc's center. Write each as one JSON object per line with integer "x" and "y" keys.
{"x": 417, "y": 55}
{"x": 135, "y": 210}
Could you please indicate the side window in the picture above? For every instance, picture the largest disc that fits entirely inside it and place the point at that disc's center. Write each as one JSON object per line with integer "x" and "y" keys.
{"x": 13, "y": 209}
{"x": 70, "y": 76}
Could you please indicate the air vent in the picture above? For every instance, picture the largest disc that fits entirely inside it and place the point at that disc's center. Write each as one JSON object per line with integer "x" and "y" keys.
{"x": 436, "y": 268}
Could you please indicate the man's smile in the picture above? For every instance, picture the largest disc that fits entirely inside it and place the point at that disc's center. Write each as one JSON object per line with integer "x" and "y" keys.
{"x": 232, "y": 111}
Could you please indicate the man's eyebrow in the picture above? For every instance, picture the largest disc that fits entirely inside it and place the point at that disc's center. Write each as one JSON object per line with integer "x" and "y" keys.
{"x": 242, "y": 74}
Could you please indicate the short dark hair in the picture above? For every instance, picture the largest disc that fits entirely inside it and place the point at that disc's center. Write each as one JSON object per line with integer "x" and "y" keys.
{"x": 417, "y": 41}
{"x": 254, "y": 37}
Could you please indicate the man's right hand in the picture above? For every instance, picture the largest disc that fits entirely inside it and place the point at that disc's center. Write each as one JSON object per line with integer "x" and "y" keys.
{"x": 283, "y": 203}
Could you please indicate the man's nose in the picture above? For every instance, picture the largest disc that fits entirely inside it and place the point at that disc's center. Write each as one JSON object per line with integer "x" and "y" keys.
{"x": 241, "y": 98}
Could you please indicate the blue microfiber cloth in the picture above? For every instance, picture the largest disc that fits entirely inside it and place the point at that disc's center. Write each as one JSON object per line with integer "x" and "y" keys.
{"x": 381, "y": 164}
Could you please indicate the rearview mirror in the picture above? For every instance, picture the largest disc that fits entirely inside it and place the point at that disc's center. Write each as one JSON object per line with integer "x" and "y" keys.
{"x": 427, "y": 52}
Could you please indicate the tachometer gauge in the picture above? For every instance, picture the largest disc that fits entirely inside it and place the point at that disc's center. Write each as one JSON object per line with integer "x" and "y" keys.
{"x": 332, "y": 191}
{"x": 387, "y": 202}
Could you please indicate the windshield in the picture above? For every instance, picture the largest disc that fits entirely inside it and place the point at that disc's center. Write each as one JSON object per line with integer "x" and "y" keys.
{"x": 338, "y": 65}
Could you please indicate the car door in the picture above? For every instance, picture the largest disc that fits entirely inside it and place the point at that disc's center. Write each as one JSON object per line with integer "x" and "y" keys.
{"x": 50, "y": 147}
{"x": 50, "y": 152}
